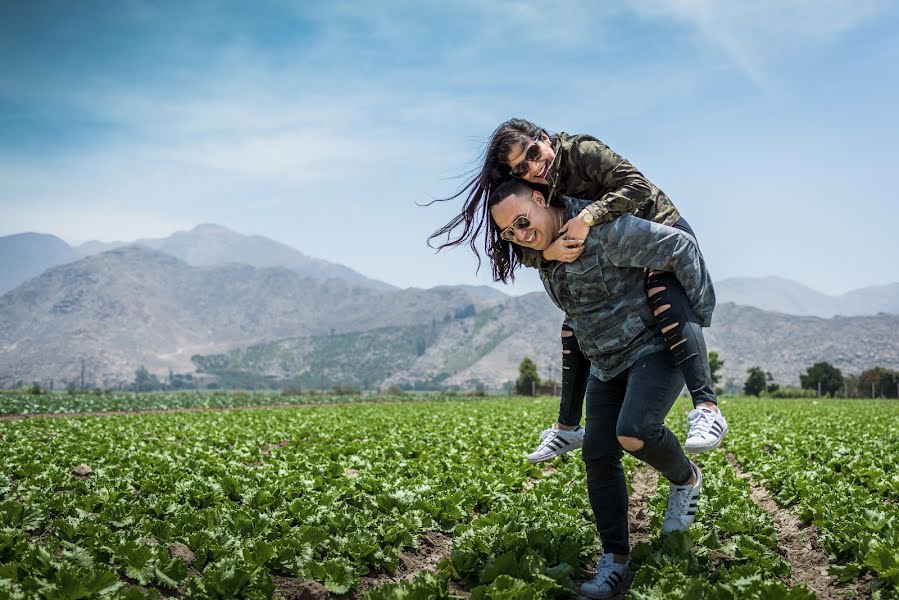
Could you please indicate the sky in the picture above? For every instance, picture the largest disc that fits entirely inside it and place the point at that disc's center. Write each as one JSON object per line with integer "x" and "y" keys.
{"x": 772, "y": 125}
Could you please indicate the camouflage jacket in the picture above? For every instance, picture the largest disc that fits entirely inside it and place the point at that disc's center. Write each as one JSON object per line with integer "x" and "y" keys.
{"x": 586, "y": 168}
{"x": 602, "y": 293}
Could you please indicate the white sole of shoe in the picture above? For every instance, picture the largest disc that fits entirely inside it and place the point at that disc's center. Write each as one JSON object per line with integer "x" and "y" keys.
{"x": 619, "y": 593}
{"x": 534, "y": 461}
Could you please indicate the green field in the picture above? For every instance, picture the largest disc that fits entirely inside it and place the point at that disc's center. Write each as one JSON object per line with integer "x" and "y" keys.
{"x": 422, "y": 499}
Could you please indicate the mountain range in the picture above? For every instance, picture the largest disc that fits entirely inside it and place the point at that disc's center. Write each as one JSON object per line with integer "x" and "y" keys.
{"x": 192, "y": 301}
{"x": 26, "y": 255}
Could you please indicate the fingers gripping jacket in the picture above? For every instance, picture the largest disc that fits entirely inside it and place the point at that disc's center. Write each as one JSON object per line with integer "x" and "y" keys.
{"x": 674, "y": 336}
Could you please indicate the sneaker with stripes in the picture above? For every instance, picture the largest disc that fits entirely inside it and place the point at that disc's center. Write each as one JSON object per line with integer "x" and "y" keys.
{"x": 611, "y": 580}
{"x": 707, "y": 429}
{"x": 682, "y": 502}
{"x": 554, "y": 442}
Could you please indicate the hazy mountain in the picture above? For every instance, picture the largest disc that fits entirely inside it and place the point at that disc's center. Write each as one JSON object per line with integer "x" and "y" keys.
{"x": 133, "y": 305}
{"x": 786, "y": 296}
{"x": 786, "y": 345}
{"x": 136, "y": 306}
{"x": 481, "y": 291}
{"x": 27, "y": 255}
{"x": 210, "y": 245}
{"x": 487, "y": 347}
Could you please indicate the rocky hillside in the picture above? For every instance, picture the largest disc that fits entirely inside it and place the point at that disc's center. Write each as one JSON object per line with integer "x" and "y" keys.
{"x": 132, "y": 306}
{"x": 135, "y": 306}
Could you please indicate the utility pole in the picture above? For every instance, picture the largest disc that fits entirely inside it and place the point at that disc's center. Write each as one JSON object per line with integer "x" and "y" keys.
{"x": 82, "y": 375}
{"x": 819, "y": 389}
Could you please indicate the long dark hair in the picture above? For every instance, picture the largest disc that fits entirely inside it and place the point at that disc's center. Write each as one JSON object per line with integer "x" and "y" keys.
{"x": 475, "y": 215}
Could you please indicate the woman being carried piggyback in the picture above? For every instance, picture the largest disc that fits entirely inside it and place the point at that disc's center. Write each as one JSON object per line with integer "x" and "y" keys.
{"x": 581, "y": 166}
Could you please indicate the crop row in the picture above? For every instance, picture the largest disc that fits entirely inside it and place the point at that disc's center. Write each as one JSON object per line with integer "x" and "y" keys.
{"x": 214, "y": 504}
{"x": 834, "y": 463}
{"x": 24, "y": 403}
{"x": 112, "y": 506}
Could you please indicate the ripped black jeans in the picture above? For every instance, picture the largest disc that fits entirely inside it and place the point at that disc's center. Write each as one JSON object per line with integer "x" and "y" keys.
{"x": 633, "y": 404}
{"x": 678, "y": 325}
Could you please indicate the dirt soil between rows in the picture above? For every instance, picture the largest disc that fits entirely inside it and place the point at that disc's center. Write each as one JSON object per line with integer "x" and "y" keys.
{"x": 800, "y": 546}
{"x": 433, "y": 547}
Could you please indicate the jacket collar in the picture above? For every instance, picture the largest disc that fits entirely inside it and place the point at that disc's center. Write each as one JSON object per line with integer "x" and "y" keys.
{"x": 553, "y": 174}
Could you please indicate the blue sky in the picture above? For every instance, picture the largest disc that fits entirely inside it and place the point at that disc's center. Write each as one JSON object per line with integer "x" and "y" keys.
{"x": 772, "y": 125}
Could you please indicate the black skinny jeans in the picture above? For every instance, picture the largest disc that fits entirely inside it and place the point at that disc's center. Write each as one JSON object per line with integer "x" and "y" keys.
{"x": 690, "y": 355}
{"x": 633, "y": 404}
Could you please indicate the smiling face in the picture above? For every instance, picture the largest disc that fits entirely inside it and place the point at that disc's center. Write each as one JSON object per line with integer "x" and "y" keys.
{"x": 544, "y": 222}
{"x": 534, "y": 156}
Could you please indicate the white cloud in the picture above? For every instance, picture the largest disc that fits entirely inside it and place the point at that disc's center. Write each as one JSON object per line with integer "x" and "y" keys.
{"x": 754, "y": 36}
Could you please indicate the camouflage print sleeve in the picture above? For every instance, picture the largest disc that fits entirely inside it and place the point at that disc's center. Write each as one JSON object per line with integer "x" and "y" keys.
{"x": 633, "y": 242}
{"x": 628, "y": 189}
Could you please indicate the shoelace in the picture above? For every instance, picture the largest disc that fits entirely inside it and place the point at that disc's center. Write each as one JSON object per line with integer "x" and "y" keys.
{"x": 679, "y": 505}
{"x": 603, "y": 570}
{"x": 546, "y": 440}
{"x": 702, "y": 421}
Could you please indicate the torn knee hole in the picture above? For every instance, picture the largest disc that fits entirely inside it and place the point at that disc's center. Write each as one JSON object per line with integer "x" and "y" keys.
{"x": 566, "y": 351}
{"x": 567, "y": 333}
{"x": 668, "y": 328}
{"x": 661, "y": 309}
{"x": 656, "y": 290}
{"x": 629, "y": 443}
{"x": 678, "y": 344}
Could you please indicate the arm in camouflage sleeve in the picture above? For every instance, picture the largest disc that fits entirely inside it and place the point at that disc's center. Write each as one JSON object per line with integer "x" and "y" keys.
{"x": 633, "y": 242}
{"x": 628, "y": 188}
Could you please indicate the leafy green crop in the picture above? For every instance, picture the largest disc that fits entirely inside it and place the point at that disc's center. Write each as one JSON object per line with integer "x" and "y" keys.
{"x": 834, "y": 463}
{"x": 221, "y": 504}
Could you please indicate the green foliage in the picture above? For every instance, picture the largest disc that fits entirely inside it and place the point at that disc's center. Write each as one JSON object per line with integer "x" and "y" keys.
{"x": 878, "y": 382}
{"x": 823, "y": 376}
{"x": 528, "y": 379}
{"x": 715, "y": 365}
{"x": 144, "y": 381}
{"x": 793, "y": 392}
{"x": 333, "y": 493}
{"x": 833, "y": 462}
{"x": 757, "y": 382}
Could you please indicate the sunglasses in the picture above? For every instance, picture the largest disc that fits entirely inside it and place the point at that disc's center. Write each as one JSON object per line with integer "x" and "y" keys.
{"x": 533, "y": 153}
{"x": 522, "y": 222}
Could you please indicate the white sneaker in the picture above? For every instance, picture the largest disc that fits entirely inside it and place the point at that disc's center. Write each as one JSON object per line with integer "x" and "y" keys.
{"x": 707, "y": 429}
{"x": 682, "y": 501}
{"x": 611, "y": 578}
{"x": 554, "y": 442}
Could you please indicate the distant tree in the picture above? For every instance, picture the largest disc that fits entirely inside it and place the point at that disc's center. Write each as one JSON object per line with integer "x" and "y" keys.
{"x": 144, "y": 381}
{"x": 715, "y": 364}
{"x": 878, "y": 382}
{"x": 823, "y": 375}
{"x": 758, "y": 382}
{"x": 341, "y": 389}
{"x": 528, "y": 379}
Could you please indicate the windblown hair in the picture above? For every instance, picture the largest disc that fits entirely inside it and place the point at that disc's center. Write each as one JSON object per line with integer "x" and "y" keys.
{"x": 475, "y": 215}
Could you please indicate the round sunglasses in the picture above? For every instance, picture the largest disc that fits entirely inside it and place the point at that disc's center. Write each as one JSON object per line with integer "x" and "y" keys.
{"x": 532, "y": 153}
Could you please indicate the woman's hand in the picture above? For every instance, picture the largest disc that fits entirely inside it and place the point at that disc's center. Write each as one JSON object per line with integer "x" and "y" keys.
{"x": 565, "y": 248}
